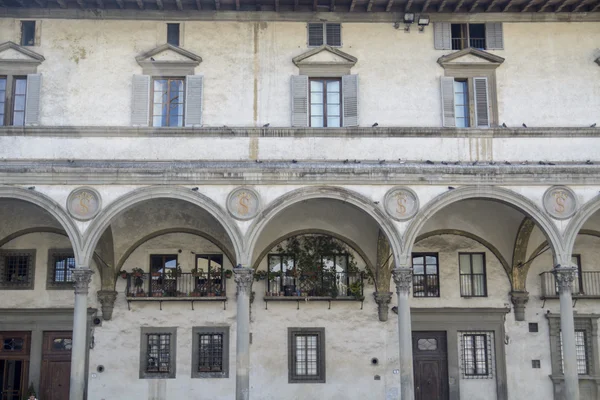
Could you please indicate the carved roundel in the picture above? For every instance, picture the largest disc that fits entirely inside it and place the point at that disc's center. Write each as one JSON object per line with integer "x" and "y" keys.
{"x": 560, "y": 202}
{"x": 84, "y": 203}
{"x": 243, "y": 203}
{"x": 401, "y": 203}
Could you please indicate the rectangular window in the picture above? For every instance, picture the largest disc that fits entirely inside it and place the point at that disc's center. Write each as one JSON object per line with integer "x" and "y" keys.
{"x": 472, "y": 275}
{"x": 60, "y": 266}
{"x": 16, "y": 269}
{"x": 282, "y": 268}
{"x": 158, "y": 353}
{"x": 581, "y": 350}
{"x": 578, "y": 282}
{"x": 306, "y": 355}
{"x": 461, "y": 103}
{"x": 168, "y": 102}
{"x": 163, "y": 275}
{"x": 477, "y": 354}
{"x": 320, "y": 33}
{"x": 2, "y": 99}
{"x": 173, "y": 34}
{"x": 211, "y": 352}
{"x": 426, "y": 279}
{"x": 210, "y": 281}
{"x": 325, "y": 103}
{"x": 27, "y": 33}
{"x": 468, "y": 35}
{"x": 18, "y": 105}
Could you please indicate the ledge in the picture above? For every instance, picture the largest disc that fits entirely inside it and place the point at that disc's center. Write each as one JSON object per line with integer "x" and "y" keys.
{"x": 190, "y": 300}
{"x": 308, "y": 299}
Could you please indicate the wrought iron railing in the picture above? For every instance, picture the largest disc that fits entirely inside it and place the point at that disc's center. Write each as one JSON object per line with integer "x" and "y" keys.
{"x": 319, "y": 284}
{"x": 585, "y": 285}
{"x": 159, "y": 285}
{"x": 426, "y": 285}
{"x": 462, "y": 43}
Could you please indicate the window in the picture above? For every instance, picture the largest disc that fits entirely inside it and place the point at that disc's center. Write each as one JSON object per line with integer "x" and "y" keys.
{"x": 210, "y": 357}
{"x": 173, "y": 34}
{"x": 60, "y": 266}
{"x": 27, "y": 33}
{"x": 163, "y": 275}
{"x": 157, "y": 358}
{"x": 468, "y": 101}
{"x": 468, "y": 35}
{"x": 472, "y": 275}
{"x": 13, "y": 91}
{"x": 325, "y": 103}
{"x": 320, "y": 34}
{"x": 210, "y": 281}
{"x": 461, "y": 103}
{"x": 449, "y": 36}
{"x": 306, "y": 356}
{"x": 168, "y": 102}
{"x": 578, "y": 282}
{"x": 586, "y": 344}
{"x": 14, "y": 362}
{"x": 17, "y": 269}
{"x": 426, "y": 281}
{"x": 477, "y": 354}
{"x": 282, "y": 268}
{"x": 581, "y": 350}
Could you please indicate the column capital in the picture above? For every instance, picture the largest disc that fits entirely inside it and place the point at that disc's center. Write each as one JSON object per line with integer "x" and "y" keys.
{"x": 243, "y": 278}
{"x": 383, "y": 300}
{"x": 107, "y": 300}
{"x": 564, "y": 277}
{"x": 519, "y": 300}
{"x": 82, "y": 277}
{"x": 402, "y": 279}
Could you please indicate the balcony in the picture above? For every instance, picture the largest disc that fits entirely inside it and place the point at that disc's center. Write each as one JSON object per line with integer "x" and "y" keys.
{"x": 186, "y": 286}
{"x": 585, "y": 286}
{"x": 320, "y": 286}
{"x": 463, "y": 43}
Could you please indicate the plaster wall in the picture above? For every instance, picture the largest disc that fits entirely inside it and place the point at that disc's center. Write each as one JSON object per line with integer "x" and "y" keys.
{"x": 18, "y": 215}
{"x": 39, "y": 297}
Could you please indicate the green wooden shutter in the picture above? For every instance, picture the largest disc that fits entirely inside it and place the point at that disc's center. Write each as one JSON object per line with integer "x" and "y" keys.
{"x": 140, "y": 100}
{"x": 482, "y": 116}
{"x": 32, "y": 99}
{"x": 494, "y": 39}
{"x": 448, "y": 117}
{"x": 442, "y": 36}
{"x": 193, "y": 100}
{"x": 299, "y": 100}
{"x": 350, "y": 100}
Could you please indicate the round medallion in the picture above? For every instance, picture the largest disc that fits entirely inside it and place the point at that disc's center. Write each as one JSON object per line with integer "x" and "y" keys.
{"x": 560, "y": 202}
{"x": 401, "y": 203}
{"x": 84, "y": 203}
{"x": 243, "y": 203}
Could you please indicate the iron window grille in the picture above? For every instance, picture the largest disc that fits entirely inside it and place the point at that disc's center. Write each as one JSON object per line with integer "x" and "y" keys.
{"x": 306, "y": 355}
{"x": 210, "y": 352}
{"x": 158, "y": 355}
{"x": 473, "y": 281}
{"x": 324, "y": 33}
{"x": 426, "y": 278}
{"x": 16, "y": 269}
{"x": 581, "y": 351}
{"x": 168, "y": 102}
{"x": 477, "y": 353}
{"x": 60, "y": 267}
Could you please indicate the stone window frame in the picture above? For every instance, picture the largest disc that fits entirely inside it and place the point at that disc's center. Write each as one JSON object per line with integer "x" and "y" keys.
{"x": 51, "y": 284}
{"x": 321, "y": 364}
{"x": 583, "y": 322}
{"x": 490, "y": 357}
{"x": 471, "y": 274}
{"x": 29, "y": 285}
{"x": 144, "y": 332}
{"x": 470, "y": 70}
{"x": 196, "y": 331}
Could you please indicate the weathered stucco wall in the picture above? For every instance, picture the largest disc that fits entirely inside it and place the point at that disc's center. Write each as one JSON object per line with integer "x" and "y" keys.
{"x": 247, "y": 69}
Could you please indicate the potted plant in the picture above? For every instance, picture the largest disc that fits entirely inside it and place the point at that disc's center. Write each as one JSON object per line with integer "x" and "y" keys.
{"x": 123, "y": 274}
{"x": 156, "y": 273}
{"x": 197, "y": 272}
{"x": 355, "y": 290}
{"x": 175, "y": 272}
{"x": 260, "y": 275}
{"x": 228, "y": 273}
{"x": 137, "y": 272}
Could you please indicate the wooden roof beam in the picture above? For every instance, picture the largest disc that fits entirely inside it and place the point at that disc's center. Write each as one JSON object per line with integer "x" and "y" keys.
{"x": 459, "y": 5}
{"x": 578, "y": 6}
{"x": 408, "y": 6}
{"x": 474, "y": 6}
{"x": 527, "y": 6}
{"x": 390, "y": 3}
{"x": 237, "y": 5}
{"x": 596, "y": 7}
{"x": 351, "y": 5}
{"x": 545, "y": 6}
{"x": 198, "y": 5}
{"x": 62, "y": 3}
{"x": 179, "y": 5}
{"x": 562, "y": 5}
{"x": 217, "y": 5}
{"x": 331, "y": 6}
{"x": 120, "y": 4}
{"x": 159, "y": 4}
{"x": 427, "y": 2}
{"x": 370, "y": 5}
{"x": 140, "y": 4}
{"x": 315, "y": 5}
{"x": 100, "y": 3}
{"x": 442, "y": 5}
{"x": 492, "y": 4}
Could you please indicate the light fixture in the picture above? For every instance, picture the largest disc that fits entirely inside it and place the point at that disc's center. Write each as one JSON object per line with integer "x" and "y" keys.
{"x": 423, "y": 21}
{"x": 409, "y": 18}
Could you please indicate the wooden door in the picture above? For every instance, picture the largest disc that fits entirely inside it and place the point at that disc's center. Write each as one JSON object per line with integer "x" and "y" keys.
{"x": 56, "y": 365}
{"x": 14, "y": 364}
{"x": 430, "y": 360}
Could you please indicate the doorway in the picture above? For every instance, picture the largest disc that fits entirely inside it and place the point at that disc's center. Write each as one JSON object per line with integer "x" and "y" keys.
{"x": 14, "y": 364}
{"x": 56, "y": 365}
{"x": 430, "y": 363}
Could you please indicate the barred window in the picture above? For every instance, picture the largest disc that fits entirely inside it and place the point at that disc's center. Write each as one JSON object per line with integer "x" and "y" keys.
{"x": 16, "y": 269}
{"x": 426, "y": 278}
{"x": 472, "y": 275}
{"x": 60, "y": 267}
{"x": 210, "y": 352}
{"x": 306, "y": 355}
{"x": 328, "y": 33}
{"x": 477, "y": 354}
{"x": 581, "y": 351}
{"x": 158, "y": 353}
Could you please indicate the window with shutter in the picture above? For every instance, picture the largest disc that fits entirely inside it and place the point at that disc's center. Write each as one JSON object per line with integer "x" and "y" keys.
{"x": 448, "y": 108}
{"x": 299, "y": 100}
{"x": 481, "y": 102}
{"x": 324, "y": 33}
{"x": 315, "y": 35}
{"x": 32, "y": 99}
{"x": 193, "y": 100}
{"x": 448, "y": 36}
{"x": 334, "y": 34}
{"x": 140, "y": 100}
{"x": 350, "y": 100}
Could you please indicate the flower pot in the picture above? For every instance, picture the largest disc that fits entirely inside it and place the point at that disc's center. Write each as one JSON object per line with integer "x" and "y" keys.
{"x": 156, "y": 274}
{"x": 124, "y": 275}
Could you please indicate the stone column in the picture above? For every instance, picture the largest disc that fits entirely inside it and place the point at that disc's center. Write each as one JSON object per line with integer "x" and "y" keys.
{"x": 383, "y": 300}
{"x": 243, "y": 280}
{"x": 519, "y": 300}
{"x": 564, "y": 279}
{"x": 107, "y": 300}
{"x": 81, "y": 278}
{"x": 403, "y": 280}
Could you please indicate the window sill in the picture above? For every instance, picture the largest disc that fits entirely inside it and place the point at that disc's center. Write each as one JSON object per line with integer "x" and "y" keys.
{"x": 190, "y": 300}
{"x": 312, "y": 298}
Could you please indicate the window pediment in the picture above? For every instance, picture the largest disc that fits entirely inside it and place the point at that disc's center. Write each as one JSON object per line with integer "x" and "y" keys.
{"x": 325, "y": 61}
{"x": 471, "y": 57}
{"x": 18, "y": 59}
{"x": 168, "y": 60}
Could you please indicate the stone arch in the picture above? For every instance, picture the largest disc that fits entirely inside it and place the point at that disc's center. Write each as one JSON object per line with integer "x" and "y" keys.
{"x": 162, "y": 232}
{"x": 353, "y": 245}
{"x": 27, "y": 231}
{"x": 320, "y": 192}
{"x": 502, "y": 195}
{"x": 103, "y": 219}
{"x": 54, "y": 209}
{"x": 476, "y": 238}
{"x": 579, "y": 219}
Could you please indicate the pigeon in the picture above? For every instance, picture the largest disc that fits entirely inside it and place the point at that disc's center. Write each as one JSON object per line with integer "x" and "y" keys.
{"x": 376, "y": 202}
{"x": 524, "y": 126}
{"x": 492, "y": 162}
{"x": 374, "y": 125}
{"x": 194, "y": 189}
{"x": 152, "y": 59}
{"x": 551, "y": 163}
{"x": 294, "y": 161}
{"x": 542, "y": 163}
{"x": 31, "y": 188}
{"x": 266, "y": 125}
{"x": 258, "y": 161}
{"x": 504, "y": 125}
{"x": 525, "y": 162}
{"x": 429, "y": 162}
{"x": 451, "y": 188}
{"x": 507, "y": 162}
{"x": 589, "y": 162}
{"x": 474, "y": 162}
{"x": 593, "y": 125}
{"x": 381, "y": 161}
{"x": 346, "y": 161}
{"x": 444, "y": 163}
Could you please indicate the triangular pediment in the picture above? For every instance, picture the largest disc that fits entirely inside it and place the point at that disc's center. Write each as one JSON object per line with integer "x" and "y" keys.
{"x": 167, "y": 59}
{"x": 471, "y": 56}
{"x": 325, "y": 55}
{"x": 12, "y": 52}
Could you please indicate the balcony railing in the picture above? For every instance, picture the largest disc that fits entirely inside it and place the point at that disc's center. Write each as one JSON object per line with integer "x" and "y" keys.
{"x": 322, "y": 284}
{"x": 585, "y": 285}
{"x": 463, "y": 43}
{"x": 183, "y": 285}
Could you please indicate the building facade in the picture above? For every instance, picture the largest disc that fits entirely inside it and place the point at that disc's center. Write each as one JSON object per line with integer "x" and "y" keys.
{"x": 299, "y": 200}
